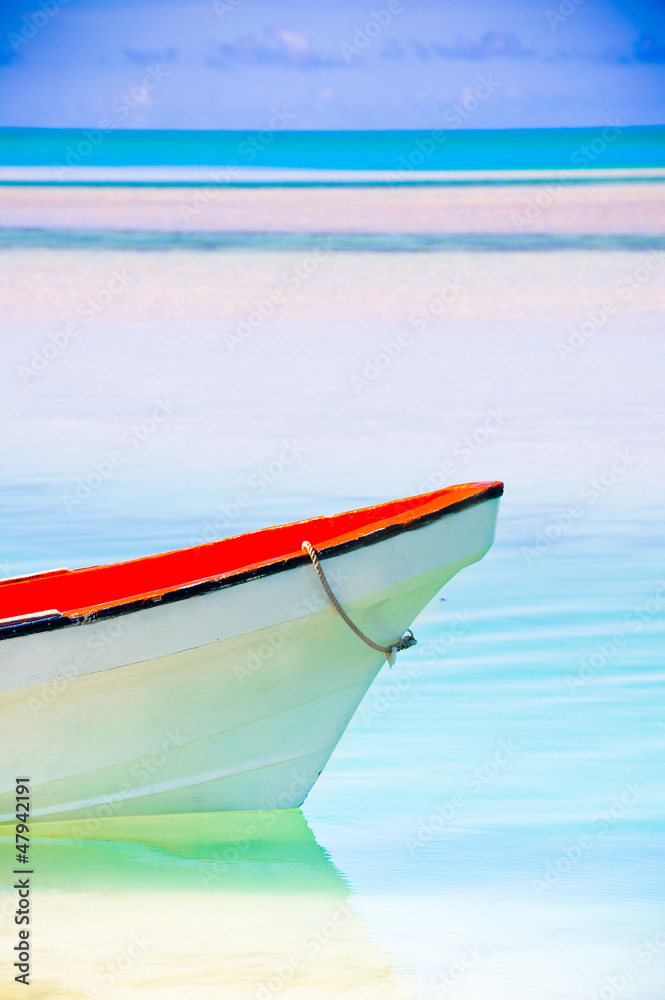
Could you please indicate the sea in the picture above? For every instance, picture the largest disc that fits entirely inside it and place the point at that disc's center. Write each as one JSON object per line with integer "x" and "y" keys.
{"x": 188, "y": 355}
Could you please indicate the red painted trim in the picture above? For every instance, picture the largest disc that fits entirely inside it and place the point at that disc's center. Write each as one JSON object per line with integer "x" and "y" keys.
{"x": 85, "y": 590}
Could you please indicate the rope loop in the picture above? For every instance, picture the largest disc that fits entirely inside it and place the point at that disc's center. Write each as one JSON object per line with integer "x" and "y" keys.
{"x": 391, "y": 651}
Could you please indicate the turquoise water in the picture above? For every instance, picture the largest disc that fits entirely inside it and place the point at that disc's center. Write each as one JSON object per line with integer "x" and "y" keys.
{"x": 493, "y": 815}
{"x": 612, "y": 145}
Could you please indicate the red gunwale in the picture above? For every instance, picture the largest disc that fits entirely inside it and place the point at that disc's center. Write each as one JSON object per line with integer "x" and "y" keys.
{"x": 83, "y": 591}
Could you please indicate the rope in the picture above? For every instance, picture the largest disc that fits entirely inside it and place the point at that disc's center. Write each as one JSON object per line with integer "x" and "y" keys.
{"x": 390, "y": 651}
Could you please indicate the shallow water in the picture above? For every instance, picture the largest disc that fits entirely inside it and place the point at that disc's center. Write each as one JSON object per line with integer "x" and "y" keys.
{"x": 491, "y": 822}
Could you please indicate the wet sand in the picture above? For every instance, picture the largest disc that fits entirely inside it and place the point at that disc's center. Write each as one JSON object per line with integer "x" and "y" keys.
{"x": 589, "y": 208}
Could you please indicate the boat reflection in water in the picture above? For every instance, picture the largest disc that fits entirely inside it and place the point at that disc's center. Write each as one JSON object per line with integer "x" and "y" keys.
{"x": 207, "y": 905}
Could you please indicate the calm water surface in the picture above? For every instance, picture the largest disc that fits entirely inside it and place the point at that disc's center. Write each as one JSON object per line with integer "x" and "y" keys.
{"x": 490, "y": 826}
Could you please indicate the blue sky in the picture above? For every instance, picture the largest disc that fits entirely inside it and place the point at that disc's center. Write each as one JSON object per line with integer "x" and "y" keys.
{"x": 397, "y": 64}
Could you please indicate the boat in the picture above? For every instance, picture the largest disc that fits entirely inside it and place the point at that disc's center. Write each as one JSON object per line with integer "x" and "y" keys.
{"x": 218, "y": 677}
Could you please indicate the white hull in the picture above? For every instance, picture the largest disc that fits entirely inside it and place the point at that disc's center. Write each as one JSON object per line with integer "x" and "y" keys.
{"x": 230, "y": 700}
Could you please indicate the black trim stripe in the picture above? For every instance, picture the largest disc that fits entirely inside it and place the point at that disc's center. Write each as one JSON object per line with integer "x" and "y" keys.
{"x": 33, "y": 626}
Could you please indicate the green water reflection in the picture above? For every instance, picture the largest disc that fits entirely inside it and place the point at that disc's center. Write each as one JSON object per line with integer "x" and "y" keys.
{"x": 252, "y": 851}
